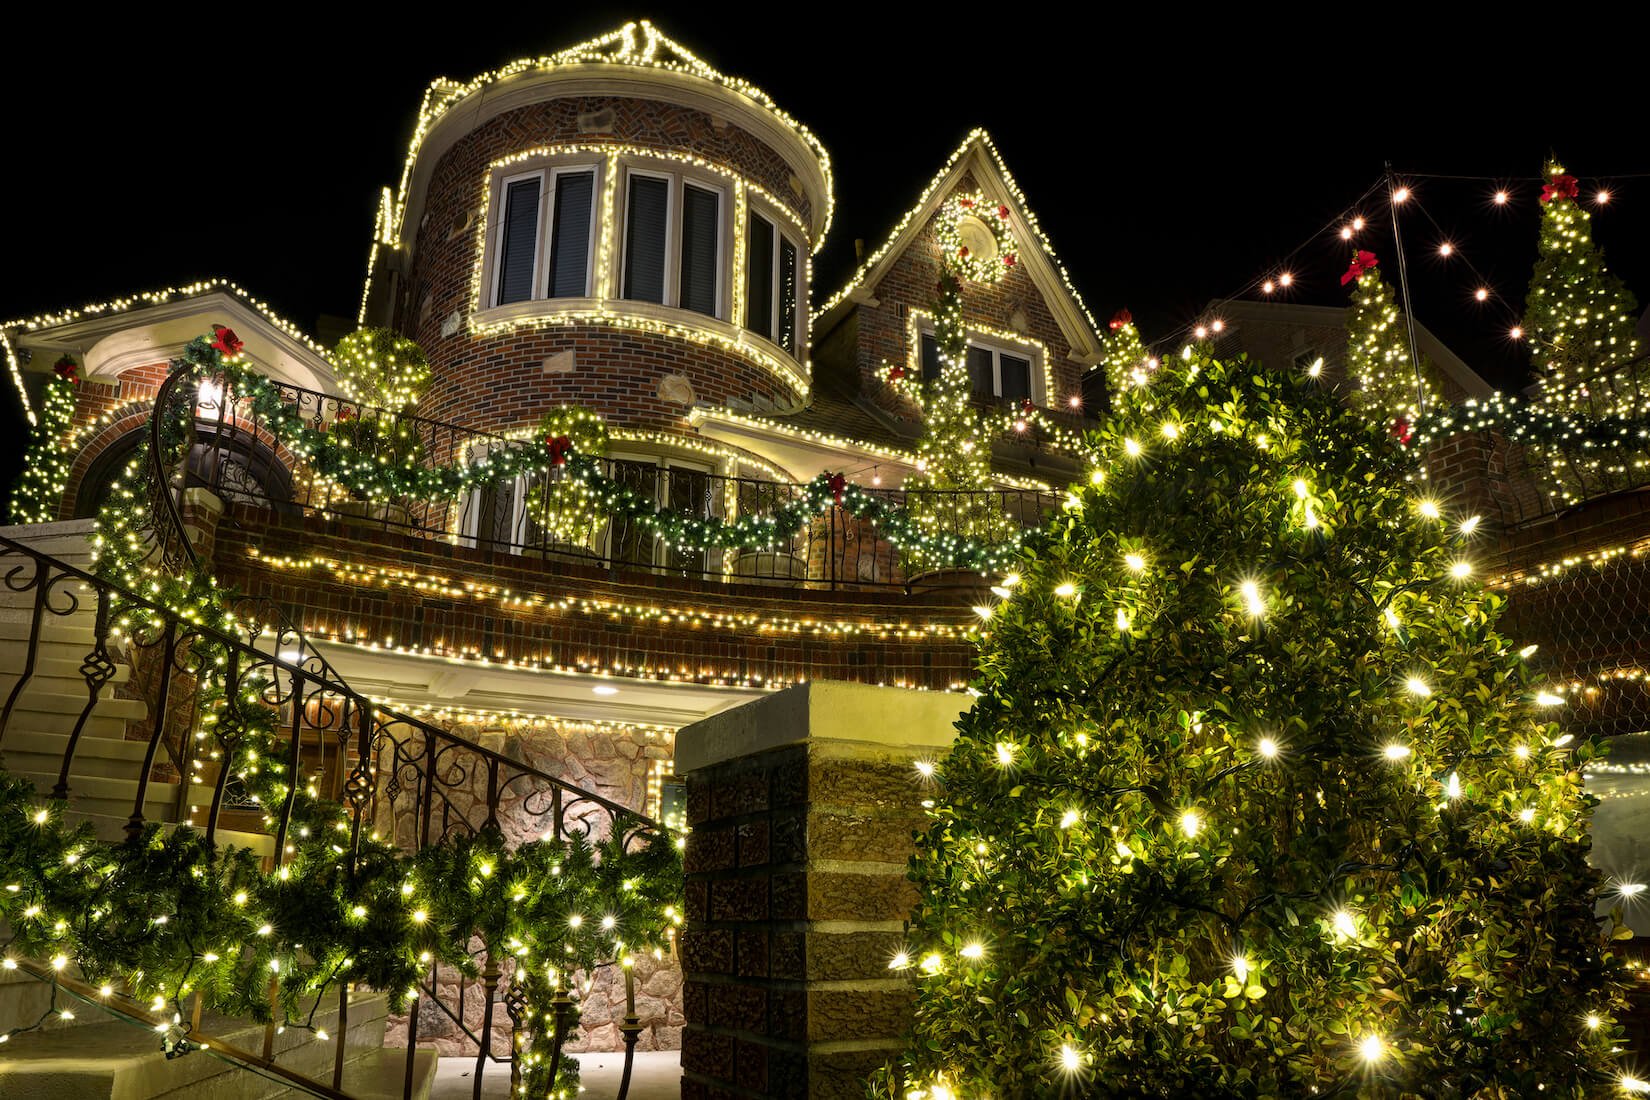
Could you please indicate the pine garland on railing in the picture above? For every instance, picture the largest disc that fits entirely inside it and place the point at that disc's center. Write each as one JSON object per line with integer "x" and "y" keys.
{"x": 365, "y": 473}
{"x": 39, "y": 488}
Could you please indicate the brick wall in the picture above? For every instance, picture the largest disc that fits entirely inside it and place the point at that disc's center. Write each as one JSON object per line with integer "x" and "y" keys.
{"x": 742, "y": 654}
{"x": 497, "y": 381}
{"x": 883, "y": 329}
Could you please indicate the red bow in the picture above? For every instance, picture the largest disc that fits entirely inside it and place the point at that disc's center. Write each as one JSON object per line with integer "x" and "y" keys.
{"x": 1560, "y": 187}
{"x": 559, "y": 446}
{"x": 837, "y": 482}
{"x": 895, "y": 373}
{"x": 965, "y": 202}
{"x": 1401, "y": 430}
{"x": 1119, "y": 319}
{"x": 225, "y": 340}
{"x": 1362, "y": 263}
{"x": 345, "y": 413}
{"x": 66, "y": 368}
{"x": 1008, "y": 259}
{"x": 1026, "y": 407}
{"x": 1002, "y": 212}
{"x": 963, "y": 252}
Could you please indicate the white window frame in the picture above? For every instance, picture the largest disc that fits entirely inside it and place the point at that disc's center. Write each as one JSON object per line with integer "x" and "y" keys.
{"x": 548, "y": 237}
{"x": 998, "y": 349}
{"x": 546, "y": 172}
{"x": 781, "y": 231}
{"x": 501, "y": 192}
{"x": 678, "y": 180}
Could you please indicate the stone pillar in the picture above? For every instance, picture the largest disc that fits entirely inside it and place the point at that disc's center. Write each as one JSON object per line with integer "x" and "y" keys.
{"x": 802, "y": 807}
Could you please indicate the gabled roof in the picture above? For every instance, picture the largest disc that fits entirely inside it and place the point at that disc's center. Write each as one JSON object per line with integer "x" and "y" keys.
{"x": 152, "y": 326}
{"x": 978, "y": 156}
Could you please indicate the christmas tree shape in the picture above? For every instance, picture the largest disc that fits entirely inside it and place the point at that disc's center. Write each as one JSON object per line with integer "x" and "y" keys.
{"x": 1579, "y": 318}
{"x": 949, "y": 498}
{"x": 1386, "y": 383}
{"x": 1255, "y": 799}
{"x": 38, "y": 489}
{"x": 1128, "y": 363}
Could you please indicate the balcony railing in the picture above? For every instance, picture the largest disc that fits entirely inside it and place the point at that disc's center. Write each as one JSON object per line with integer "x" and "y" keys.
{"x": 253, "y": 459}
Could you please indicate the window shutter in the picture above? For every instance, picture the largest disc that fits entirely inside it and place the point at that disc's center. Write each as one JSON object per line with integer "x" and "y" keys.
{"x": 699, "y": 249}
{"x": 759, "y": 276}
{"x": 1016, "y": 378}
{"x": 979, "y": 369}
{"x": 930, "y": 352}
{"x": 570, "y": 235}
{"x": 644, "y": 274}
{"x": 787, "y": 295}
{"x": 519, "y": 238}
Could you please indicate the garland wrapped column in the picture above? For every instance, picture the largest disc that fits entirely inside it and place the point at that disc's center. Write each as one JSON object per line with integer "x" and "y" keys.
{"x": 38, "y": 491}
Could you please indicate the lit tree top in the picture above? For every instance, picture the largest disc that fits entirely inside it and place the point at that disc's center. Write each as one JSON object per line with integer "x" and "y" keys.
{"x": 381, "y": 367}
{"x": 1255, "y": 800}
{"x": 1128, "y": 363}
{"x": 1578, "y": 317}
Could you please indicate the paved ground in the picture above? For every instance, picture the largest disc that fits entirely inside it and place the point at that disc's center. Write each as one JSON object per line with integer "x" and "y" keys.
{"x": 656, "y": 1076}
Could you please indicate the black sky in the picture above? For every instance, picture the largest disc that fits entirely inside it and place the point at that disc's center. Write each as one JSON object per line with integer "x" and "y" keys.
{"x": 1171, "y": 156}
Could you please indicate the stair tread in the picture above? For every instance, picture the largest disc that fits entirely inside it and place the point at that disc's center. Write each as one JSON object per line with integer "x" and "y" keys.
{"x": 379, "y": 1074}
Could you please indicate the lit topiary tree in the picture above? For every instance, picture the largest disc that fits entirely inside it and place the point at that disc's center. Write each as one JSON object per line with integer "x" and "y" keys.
{"x": 379, "y": 367}
{"x": 1128, "y": 362}
{"x": 1578, "y": 317}
{"x": 1255, "y": 800}
{"x": 1387, "y": 385}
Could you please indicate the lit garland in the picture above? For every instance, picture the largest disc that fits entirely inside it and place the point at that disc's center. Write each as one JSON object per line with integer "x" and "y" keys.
{"x": 1127, "y": 362}
{"x": 971, "y": 215}
{"x": 1255, "y": 800}
{"x": 374, "y": 476}
{"x": 1578, "y": 317}
{"x": 46, "y": 464}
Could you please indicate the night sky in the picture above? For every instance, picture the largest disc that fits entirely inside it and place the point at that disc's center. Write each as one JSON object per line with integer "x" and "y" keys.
{"x": 1171, "y": 163}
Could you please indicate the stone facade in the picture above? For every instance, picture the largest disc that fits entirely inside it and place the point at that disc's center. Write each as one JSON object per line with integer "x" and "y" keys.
{"x": 802, "y": 807}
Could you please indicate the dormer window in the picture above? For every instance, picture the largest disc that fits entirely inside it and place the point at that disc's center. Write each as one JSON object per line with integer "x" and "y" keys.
{"x": 997, "y": 373}
{"x": 545, "y": 235}
{"x": 673, "y": 252}
{"x": 772, "y": 281}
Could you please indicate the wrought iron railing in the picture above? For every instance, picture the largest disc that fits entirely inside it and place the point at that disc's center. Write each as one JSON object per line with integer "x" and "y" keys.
{"x": 412, "y": 783}
{"x": 250, "y": 459}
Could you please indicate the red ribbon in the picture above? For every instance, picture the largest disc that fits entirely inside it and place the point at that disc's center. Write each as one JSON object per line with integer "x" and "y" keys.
{"x": 1026, "y": 407}
{"x": 895, "y": 373}
{"x": 1401, "y": 430}
{"x": 1008, "y": 259}
{"x": 837, "y": 482}
{"x": 66, "y": 368}
{"x": 1002, "y": 212}
{"x": 965, "y": 202}
{"x": 1560, "y": 187}
{"x": 1119, "y": 319}
{"x": 225, "y": 340}
{"x": 345, "y": 414}
{"x": 1362, "y": 264}
{"x": 559, "y": 446}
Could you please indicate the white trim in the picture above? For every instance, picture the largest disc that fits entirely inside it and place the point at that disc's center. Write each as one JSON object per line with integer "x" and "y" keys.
{"x": 501, "y": 193}
{"x": 668, "y": 287}
{"x": 556, "y": 171}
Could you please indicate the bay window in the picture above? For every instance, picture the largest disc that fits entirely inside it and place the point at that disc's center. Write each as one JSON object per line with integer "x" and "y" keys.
{"x": 545, "y": 235}
{"x": 673, "y": 249}
{"x": 772, "y": 286}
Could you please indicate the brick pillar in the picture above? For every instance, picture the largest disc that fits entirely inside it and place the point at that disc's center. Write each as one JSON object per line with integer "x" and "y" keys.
{"x": 802, "y": 806}
{"x": 201, "y": 510}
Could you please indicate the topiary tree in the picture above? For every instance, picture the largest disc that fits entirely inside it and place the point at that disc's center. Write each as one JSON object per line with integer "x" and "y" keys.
{"x": 1256, "y": 800}
{"x": 561, "y": 504}
{"x": 1386, "y": 383}
{"x": 1128, "y": 363}
{"x": 1578, "y": 317}
{"x": 379, "y": 367}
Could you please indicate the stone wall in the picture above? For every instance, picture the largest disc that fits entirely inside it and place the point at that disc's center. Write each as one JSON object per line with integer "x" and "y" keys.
{"x": 802, "y": 807}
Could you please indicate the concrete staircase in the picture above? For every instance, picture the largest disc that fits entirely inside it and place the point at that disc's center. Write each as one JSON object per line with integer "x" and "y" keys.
{"x": 104, "y": 774}
{"x": 97, "y": 1054}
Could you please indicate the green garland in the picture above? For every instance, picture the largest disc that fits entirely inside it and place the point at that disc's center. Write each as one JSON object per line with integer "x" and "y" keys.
{"x": 364, "y": 474}
{"x": 1535, "y": 424}
{"x": 39, "y": 488}
{"x": 169, "y": 915}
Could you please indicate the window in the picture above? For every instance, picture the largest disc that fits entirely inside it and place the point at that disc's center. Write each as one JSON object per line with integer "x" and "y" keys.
{"x": 994, "y": 373}
{"x": 669, "y": 483}
{"x": 564, "y": 199}
{"x": 772, "y": 286}
{"x": 673, "y": 242}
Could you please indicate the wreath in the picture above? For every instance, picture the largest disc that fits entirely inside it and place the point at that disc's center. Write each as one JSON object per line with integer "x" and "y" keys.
{"x": 561, "y": 504}
{"x": 974, "y": 210}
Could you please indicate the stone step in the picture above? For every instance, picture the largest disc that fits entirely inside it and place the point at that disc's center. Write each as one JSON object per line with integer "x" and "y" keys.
{"x": 25, "y": 721}
{"x": 58, "y": 666}
{"x": 74, "y": 629}
{"x": 71, "y": 546}
{"x": 120, "y": 1060}
{"x": 108, "y": 757}
{"x": 68, "y": 698}
{"x": 379, "y": 1074}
